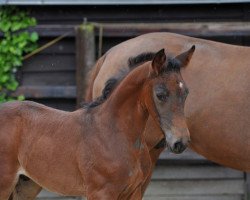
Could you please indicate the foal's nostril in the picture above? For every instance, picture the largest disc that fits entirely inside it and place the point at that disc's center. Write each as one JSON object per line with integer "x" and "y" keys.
{"x": 179, "y": 147}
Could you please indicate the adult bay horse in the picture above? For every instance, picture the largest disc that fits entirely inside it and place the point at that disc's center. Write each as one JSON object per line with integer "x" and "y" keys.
{"x": 218, "y": 107}
{"x": 99, "y": 151}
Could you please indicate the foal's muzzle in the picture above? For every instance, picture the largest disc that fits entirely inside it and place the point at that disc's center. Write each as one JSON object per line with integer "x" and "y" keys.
{"x": 176, "y": 145}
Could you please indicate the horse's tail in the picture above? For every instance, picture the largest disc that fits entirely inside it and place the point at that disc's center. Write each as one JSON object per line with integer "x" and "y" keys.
{"x": 93, "y": 74}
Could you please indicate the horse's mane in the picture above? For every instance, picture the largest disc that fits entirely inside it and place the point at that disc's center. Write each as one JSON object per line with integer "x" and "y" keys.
{"x": 133, "y": 62}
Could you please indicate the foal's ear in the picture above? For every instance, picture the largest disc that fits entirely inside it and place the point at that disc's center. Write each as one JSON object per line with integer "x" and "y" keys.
{"x": 159, "y": 61}
{"x": 185, "y": 57}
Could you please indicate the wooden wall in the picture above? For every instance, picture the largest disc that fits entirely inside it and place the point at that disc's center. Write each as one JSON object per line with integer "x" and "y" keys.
{"x": 49, "y": 78}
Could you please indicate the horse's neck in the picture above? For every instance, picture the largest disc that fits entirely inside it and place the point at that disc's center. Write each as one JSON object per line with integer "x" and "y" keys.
{"x": 125, "y": 103}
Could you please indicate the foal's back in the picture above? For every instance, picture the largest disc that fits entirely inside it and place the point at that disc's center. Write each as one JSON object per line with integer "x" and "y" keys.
{"x": 36, "y": 141}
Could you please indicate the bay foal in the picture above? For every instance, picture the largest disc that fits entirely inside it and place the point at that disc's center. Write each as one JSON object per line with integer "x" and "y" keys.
{"x": 100, "y": 151}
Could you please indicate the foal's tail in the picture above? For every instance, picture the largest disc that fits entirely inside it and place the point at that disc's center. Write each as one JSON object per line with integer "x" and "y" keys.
{"x": 93, "y": 74}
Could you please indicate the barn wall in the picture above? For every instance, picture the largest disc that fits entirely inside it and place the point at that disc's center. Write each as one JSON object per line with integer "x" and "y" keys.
{"x": 49, "y": 78}
{"x": 55, "y": 66}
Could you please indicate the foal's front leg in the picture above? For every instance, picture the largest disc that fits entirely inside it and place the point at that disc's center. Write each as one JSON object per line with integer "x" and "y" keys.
{"x": 154, "y": 155}
{"x": 137, "y": 194}
{"x": 103, "y": 195}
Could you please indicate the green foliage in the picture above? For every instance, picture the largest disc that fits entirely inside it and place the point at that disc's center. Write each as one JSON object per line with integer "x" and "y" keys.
{"x": 15, "y": 41}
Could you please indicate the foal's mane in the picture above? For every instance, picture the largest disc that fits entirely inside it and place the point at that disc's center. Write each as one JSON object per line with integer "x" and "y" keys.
{"x": 140, "y": 59}
{"x": 107, "y": 90}
{"x": 133, "y": 62}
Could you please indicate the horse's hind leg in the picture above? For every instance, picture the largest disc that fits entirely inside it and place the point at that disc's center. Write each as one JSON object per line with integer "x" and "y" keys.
{"x": 26, "y": 189}
{"x": 8, "y": 178}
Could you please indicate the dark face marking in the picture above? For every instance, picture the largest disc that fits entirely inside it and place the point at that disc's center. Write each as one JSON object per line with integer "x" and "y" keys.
{"x": 169, "y": 96}
{"x": 161, "y": 92}
{"x": 163, "y": 99}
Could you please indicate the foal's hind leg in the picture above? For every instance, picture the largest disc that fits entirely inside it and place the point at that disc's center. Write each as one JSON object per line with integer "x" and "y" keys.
{"x": 26, "y": 189}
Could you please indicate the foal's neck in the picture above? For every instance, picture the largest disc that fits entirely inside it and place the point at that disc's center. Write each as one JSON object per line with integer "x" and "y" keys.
{"x": 126, "y": 102}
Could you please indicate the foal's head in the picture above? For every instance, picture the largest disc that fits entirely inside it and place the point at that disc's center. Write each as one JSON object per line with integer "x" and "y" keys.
{"x": 166, "y": 101}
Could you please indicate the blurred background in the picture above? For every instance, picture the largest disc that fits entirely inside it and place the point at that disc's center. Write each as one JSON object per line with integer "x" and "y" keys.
{"x": 54, "y": 77}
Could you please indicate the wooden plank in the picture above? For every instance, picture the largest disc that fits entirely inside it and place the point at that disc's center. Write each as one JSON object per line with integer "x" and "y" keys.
{"x": 64, "y": 46}
{"x": 194, "y": 172}
{"x": 52, "y": 78}
{"x": 49, "y": 63}
{"x": 197, "y": 187}
{"x": 201, "y": 29}
{"x": 198, "y": 197}
{"x": 74, "y": 14}
{"x": 66, "y": 104}
{"x": 54, "y": 30}
{"x": 192, "y": 29}
{"x": 46, "y": 195}
{"x": 187, "y": 155}
{"x": 247, "y": 186}
{"x": 46, "y": 91}
{"x": 58, "y": 103}
{"x": 85, "y": 58}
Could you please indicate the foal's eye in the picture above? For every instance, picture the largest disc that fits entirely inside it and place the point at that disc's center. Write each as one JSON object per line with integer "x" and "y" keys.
{"x": 161, "y": 93}
{"x": 162, "y": 96}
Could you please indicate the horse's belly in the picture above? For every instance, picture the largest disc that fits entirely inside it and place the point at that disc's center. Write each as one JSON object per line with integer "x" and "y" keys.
{"x": 220, "y": 128}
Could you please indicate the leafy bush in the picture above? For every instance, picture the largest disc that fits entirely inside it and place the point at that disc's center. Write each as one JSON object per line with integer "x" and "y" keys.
{"x": 14, "y": 43}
